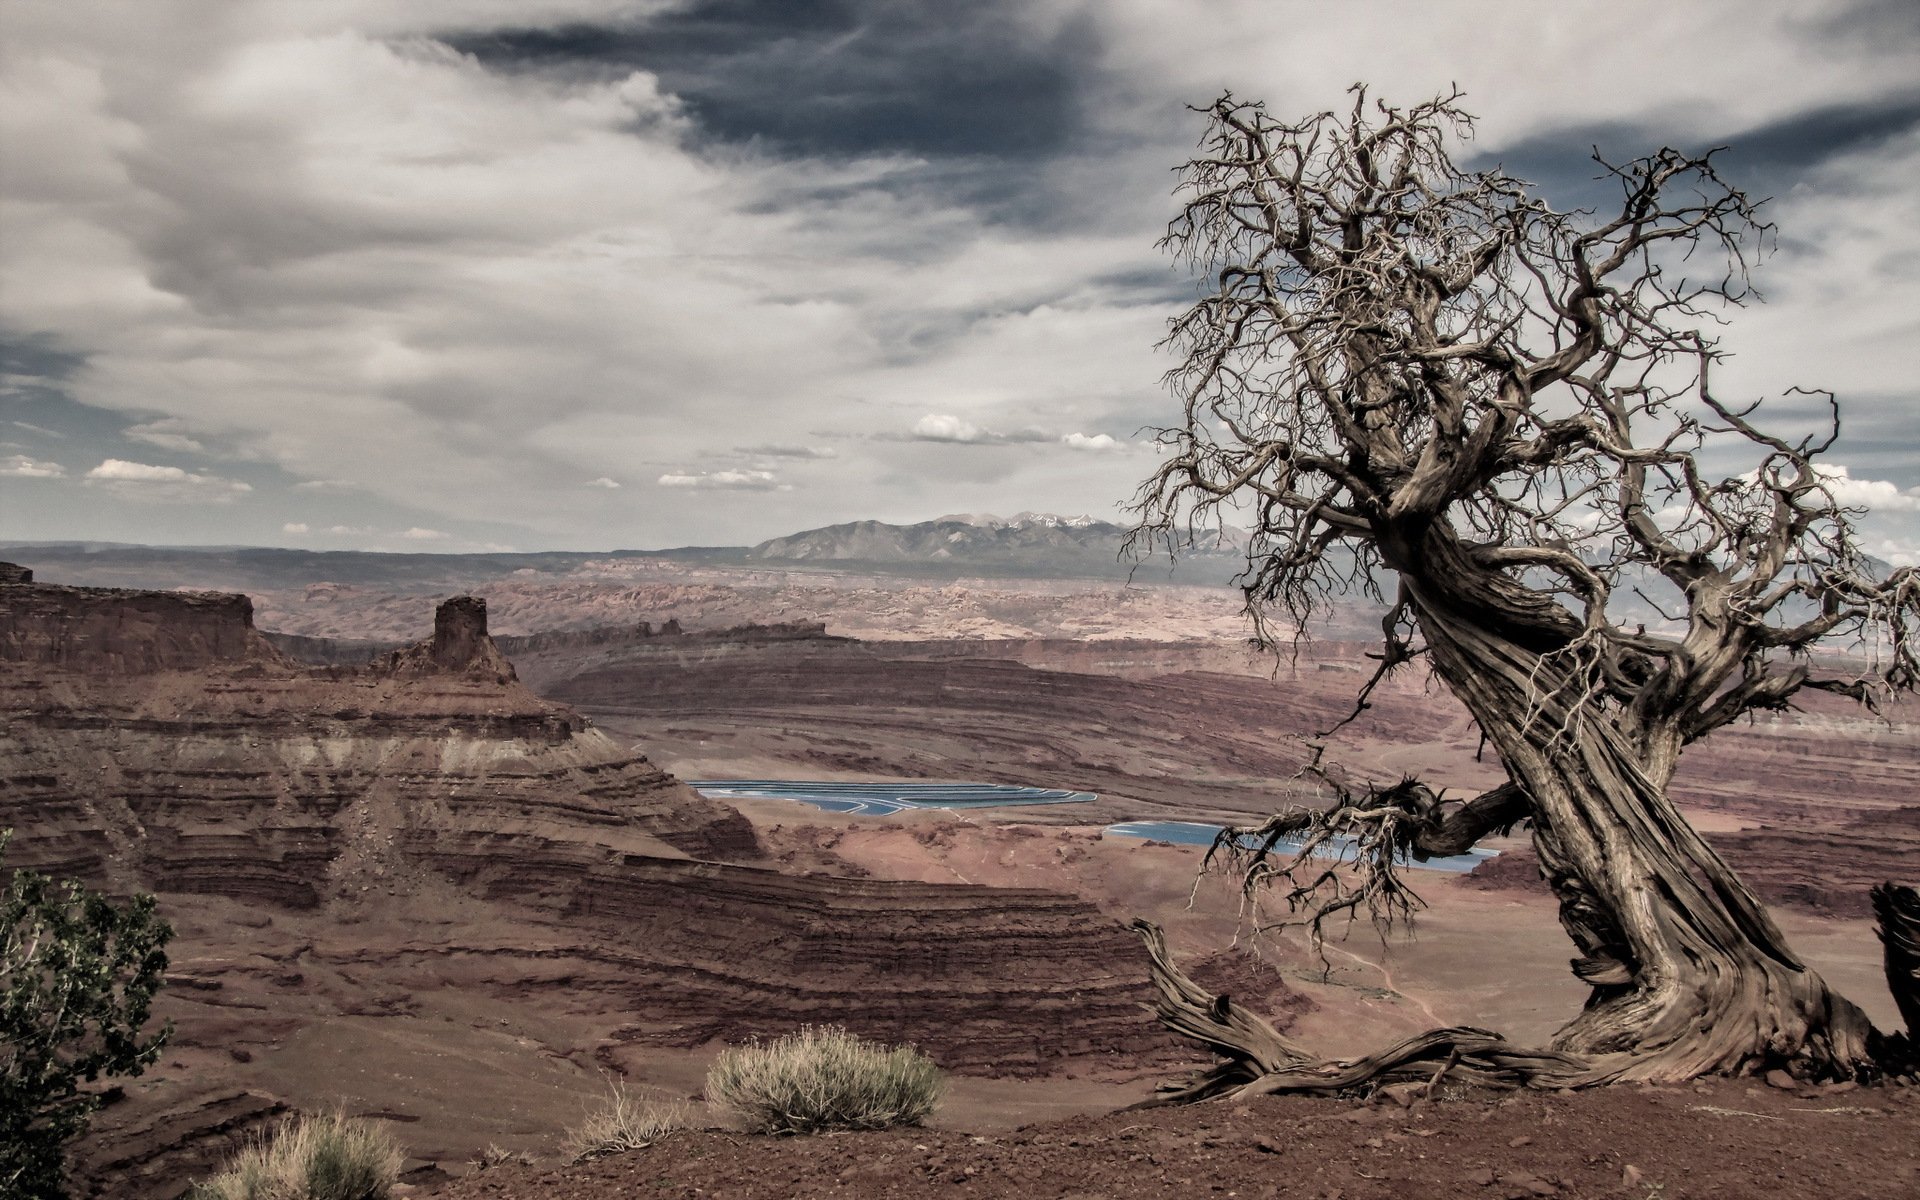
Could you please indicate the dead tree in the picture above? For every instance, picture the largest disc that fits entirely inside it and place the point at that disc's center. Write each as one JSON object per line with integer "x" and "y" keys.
{"x": 1404, "y": 373}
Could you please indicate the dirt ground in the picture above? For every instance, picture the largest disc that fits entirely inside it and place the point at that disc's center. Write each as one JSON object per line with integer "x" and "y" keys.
{"x": 1722, "y": 1139}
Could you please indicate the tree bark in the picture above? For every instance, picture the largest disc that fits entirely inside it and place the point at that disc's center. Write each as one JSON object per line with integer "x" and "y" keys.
{"x": 1690, "y": 975}
{"x": 1257, "y": 1060}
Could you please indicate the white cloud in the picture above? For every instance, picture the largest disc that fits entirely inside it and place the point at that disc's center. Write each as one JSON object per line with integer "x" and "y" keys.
{"x": 1900, "y": 551}
{"x": 165, "y": 434}
{"x": 349, "y": 530}
{"x": 745, "y": 481}
{"x": 603, "y": 482}
{"x": 1095, "y": 443}
{"x": 171, "y": 484}
{"x": 19, "y": 466}
{"x": 120, "y": 469}
{"x": 1877, "y": 495}
{"x": 417, "y": 534}
{"x": 946, "y": 428}
{"x": 294, "y": 527}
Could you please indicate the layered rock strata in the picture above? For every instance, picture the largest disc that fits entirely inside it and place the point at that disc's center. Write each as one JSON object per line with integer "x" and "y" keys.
{"x": 421, "y": 844}
{"x": 156, "y": 740}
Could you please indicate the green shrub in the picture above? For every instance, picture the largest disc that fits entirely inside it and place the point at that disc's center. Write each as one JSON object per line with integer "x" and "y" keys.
{"x": 78, "y": 975}
{"x": 622, "y": 1124}
{"x": 824, "y": 1078}
{"x": 334, "y": 1157}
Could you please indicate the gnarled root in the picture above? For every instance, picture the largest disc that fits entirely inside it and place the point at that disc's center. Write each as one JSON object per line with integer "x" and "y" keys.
{"x": 1258, "y": 1060}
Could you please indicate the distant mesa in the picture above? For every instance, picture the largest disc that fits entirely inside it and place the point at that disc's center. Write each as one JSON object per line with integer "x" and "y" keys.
{"x": 1032, "y": 544}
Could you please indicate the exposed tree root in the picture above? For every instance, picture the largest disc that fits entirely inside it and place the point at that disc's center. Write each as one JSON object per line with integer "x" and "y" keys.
{"x": 1258, "y": 1060}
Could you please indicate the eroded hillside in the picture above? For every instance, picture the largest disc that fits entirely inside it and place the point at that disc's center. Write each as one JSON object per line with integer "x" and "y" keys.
{"x": 409, "y": 884}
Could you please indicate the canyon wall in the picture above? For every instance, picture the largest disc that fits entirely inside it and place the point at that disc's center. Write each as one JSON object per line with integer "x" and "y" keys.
{"x": 423, "y": 844}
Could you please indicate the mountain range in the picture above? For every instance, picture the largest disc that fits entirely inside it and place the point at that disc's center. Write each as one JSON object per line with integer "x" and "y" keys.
{"x": 1028, "y": 545}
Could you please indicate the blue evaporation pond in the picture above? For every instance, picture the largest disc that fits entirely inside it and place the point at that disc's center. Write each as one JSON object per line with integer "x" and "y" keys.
{"x": 885, "y": 799}
{"x": 1195, "y": 833}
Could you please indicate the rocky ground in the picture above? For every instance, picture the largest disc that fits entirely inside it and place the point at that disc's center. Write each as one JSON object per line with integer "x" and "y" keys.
{"x": 1722, "y": 1139}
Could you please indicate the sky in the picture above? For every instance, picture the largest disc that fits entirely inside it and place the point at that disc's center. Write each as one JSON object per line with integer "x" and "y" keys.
{"x": 587, "y": 274}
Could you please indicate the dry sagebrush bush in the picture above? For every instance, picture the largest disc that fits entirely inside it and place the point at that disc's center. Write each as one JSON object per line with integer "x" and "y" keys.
{"x": 622, "y": 1124}
{"x": 824, "y": 1078}
{"x": 333, "y": 1157}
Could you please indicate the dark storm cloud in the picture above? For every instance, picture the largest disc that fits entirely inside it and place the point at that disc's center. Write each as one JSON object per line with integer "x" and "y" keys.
{"x": 34, "y": 402}
{"x": 36, "y": 357}
{"x": 840, "y": 77}
{"x": 1764, "y": 161}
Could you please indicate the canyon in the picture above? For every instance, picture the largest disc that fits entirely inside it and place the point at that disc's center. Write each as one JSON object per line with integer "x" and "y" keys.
{"x": 356, "y": 859}
{"x": 440, "y": 869}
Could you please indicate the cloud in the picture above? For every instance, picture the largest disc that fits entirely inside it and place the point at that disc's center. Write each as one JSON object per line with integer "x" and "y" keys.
{"x": 19, "y": 466}
{"x": 745, "y": 481}
{"x": 1900, "y": 551}
{"x": 120, "y": 469}
{"x": 458, "y": 258}
{"x": 603, "y": 482}
{"x": 417, "y": 534}
{"x": 789, "y": 451}
{"x": 1876, "y": 495}
{"x": 942, "y": 427}
{"x": 294, "y": 527}
{"x": 165, "y": 434}
{"x": 172, "y": 484}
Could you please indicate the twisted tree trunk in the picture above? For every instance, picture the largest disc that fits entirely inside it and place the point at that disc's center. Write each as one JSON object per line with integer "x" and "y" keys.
{"x": 1690, "y": 975}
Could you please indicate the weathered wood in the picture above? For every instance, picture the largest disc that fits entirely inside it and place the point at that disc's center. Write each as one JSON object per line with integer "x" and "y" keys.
{"x": 1248, "y": 1044}
{"x": 1258, "y": 1060}
{"x": 1407, "y": 372}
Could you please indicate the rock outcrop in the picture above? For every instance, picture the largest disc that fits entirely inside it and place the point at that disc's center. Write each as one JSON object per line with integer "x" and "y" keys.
{"x": 155, "y": 739}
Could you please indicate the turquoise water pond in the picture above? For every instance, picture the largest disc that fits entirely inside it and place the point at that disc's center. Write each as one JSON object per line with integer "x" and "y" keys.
{"x": 886, "y": 799}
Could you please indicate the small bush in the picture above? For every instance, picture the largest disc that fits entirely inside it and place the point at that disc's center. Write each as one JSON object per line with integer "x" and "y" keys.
{"x": 624, "y": 1123}
{"x": 821, "y": 1079}
{"x": 333, "y": 1157}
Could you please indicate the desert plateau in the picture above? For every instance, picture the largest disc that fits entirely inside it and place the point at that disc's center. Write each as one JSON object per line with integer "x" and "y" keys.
{"x": 459, "y": 886}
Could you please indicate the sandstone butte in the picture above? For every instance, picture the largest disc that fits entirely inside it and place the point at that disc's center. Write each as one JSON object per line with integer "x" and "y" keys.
{"x": 157, "y": 741}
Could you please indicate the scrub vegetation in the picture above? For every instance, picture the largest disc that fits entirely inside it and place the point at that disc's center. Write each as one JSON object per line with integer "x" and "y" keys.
{"x": 331, "y": 1157}
{"x": 821, "y": 1079}
{"x": 624, "y": 1123}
